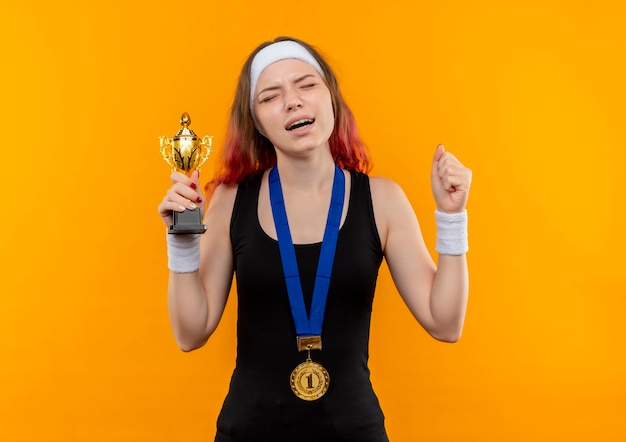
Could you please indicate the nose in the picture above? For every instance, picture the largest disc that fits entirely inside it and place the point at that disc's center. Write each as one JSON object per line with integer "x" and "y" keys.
{"x": 292, "y": 100}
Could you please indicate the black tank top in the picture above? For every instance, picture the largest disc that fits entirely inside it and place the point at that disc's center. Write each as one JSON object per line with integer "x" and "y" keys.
{"x": 260, "y": 405}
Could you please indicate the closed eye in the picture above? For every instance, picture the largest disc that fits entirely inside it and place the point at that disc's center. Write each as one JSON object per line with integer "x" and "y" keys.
{"x": 306, "y": 81}
{"x": 308, "y": 85}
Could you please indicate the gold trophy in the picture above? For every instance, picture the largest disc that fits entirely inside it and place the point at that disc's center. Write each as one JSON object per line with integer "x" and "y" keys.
{"x": 186, "y": 153}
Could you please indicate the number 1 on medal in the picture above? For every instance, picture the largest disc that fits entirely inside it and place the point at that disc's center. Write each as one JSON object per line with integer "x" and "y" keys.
{"x": 309, "y": 378}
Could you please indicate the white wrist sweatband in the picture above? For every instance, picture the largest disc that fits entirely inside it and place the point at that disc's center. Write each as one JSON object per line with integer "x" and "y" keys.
{"x": 183, "y": 253}
{"x": 451, "y": 233}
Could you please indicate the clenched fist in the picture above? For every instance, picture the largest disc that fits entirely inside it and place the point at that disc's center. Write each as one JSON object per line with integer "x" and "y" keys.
{"x": 185, "y": 194}
{"x": 450, "y": 182}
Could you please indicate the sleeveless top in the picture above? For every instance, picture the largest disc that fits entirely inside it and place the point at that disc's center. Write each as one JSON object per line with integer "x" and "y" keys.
{"x": 260, "y": 405}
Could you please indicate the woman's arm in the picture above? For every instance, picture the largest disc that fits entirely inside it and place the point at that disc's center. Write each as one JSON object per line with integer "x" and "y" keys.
{"x": 436, "y": 296}
{"x": 197, "y": 299}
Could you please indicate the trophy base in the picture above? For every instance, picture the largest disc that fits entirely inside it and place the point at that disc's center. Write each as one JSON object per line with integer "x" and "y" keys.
{"x": 187, "y": 222}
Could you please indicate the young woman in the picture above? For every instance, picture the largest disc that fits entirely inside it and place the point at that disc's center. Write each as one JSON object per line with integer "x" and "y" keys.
{"x": 294, "y": 215}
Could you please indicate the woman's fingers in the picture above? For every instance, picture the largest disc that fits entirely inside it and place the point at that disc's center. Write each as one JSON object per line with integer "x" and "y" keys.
{"x": 184, "y": 194}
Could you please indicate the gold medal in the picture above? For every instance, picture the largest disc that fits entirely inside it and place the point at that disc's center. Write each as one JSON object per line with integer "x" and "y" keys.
{"x": 309, "y": 380}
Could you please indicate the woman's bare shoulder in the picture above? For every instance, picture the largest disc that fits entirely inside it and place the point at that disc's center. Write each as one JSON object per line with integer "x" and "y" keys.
{"x": 385, "y": 191}
{"x": 223, "y": 200}
{"x": 225, "y": 191}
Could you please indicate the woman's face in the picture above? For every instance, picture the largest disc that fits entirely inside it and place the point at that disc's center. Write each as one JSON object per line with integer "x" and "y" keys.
{"x": 293, "y": 107}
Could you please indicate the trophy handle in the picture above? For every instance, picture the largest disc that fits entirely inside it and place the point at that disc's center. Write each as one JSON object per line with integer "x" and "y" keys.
{"x": 166, "y": 152}
{"x": 205, "y": 150}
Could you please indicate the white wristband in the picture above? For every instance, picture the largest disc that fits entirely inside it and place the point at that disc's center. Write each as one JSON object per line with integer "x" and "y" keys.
{"x": 451, "y": 233}
{"x": 183, "y": 253}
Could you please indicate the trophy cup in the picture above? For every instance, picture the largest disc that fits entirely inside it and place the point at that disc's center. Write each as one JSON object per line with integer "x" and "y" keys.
{"x": 186, "y": 153}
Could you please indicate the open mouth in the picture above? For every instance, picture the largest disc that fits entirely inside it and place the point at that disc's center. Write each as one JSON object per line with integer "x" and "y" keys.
{"x": 300, "y": 123}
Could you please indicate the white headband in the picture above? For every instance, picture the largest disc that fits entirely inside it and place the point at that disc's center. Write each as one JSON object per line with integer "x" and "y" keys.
{"x": 276, "y": 52}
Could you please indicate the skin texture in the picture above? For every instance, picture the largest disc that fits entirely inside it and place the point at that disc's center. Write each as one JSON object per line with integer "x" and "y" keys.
{"x": 289, "y": 91}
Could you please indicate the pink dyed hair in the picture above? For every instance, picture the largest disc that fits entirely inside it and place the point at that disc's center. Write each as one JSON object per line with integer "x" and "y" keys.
{"x": 247, "y": 152}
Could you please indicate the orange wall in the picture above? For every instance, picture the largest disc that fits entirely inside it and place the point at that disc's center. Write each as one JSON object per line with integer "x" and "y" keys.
{"x": 529, "y": 94}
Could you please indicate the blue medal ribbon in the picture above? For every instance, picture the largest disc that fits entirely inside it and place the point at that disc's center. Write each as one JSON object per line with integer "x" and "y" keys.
{"x": 307, "y": 325}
